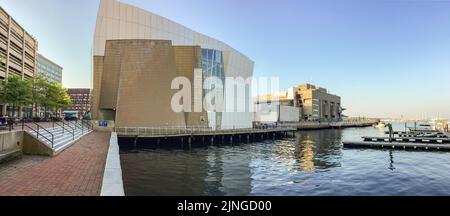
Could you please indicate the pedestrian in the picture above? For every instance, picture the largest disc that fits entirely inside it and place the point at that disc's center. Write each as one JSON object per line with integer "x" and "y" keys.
{"x": 11, "y": 124}
{"x": 5, "y": 120}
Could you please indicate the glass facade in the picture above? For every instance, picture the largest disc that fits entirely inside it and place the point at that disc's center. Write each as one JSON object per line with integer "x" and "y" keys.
{"x": 49, "y": 70}
{"x": 213, "y": 67}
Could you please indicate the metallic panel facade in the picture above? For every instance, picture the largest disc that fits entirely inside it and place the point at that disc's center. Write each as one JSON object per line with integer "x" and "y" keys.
{"x": 118, "y": 21}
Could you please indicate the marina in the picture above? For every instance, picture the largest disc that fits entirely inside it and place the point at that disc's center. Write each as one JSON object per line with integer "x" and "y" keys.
{"x": 314, "y": 163}
{"x": 174, "y": 98}
{"x": 208, "y": 136}
{"x": 419, "y": 137}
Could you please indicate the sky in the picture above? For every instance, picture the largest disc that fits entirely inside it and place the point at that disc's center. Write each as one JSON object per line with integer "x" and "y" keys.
{"x": 385, "y": 58}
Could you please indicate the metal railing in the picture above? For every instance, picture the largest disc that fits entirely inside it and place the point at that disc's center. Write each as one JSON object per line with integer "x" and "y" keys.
{"x": 70, "y": 127}
{"x": 76, "y": 125}
{"x": 179, "y": 131}
{"x": 38, "y": 133}
{"x": 64, "y": 129}
{"x": 88, "y": 124}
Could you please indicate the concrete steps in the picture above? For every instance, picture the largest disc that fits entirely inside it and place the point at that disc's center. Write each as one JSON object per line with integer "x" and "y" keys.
{"x": 63, "y": 138}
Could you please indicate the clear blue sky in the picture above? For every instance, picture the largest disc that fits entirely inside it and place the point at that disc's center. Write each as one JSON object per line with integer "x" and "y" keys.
{"x": 385, "y": 58}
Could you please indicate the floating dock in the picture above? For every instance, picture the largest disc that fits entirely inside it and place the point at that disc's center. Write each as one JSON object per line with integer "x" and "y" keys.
{"x": 404, "y": 140}
{"x": 398, "y": 145}
{"x": 410, "y": 139}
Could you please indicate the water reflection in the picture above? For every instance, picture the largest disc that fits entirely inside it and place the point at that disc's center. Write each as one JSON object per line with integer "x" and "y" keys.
{"x": 319, "y": 149}
{"x": 307, "y": 156}
{"x": 391, "y": 164}
{"x": 314, "y": 163}
{"x": 201, "y": 171}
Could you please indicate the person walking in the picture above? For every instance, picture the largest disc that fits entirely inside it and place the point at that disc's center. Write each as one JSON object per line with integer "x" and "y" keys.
{"x": 11, "y": 123}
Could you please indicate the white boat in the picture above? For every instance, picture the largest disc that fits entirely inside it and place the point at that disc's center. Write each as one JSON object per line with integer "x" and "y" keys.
{"x": 380, "y": 125}
{"x": 424, "y": 128}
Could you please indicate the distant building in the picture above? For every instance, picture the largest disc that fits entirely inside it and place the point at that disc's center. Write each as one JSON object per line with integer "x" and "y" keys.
{"x": 81, "y": 100}
{"x": 48, "y": 69}
{"x": 319, "y": 104}
{"x": 17, "y": 55}
{"x": 280, "y": 107}
{"x": 313, "y": 103}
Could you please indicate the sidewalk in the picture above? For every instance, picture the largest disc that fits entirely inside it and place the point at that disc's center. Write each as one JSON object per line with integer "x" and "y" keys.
{"x": 78, "y": 171}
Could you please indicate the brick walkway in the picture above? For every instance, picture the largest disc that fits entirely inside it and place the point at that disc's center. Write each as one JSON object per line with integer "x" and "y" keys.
{"x": 78, "y": 171}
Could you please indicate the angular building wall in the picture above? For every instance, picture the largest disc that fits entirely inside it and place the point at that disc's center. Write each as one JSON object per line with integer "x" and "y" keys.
{"x": 118, "y": 21}
{"x": 134, "y": 92}
{"x": 187, "y": 60}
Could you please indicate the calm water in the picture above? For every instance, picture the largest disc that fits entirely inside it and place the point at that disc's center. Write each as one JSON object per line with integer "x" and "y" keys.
{"x": 314, "y": 163}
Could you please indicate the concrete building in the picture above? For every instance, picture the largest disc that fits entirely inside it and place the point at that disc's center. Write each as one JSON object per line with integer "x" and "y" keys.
{"x": 281, "y": 107}
{"x": 311, "y": 102}
{"x": 81, "y": 100}
{"x": 318, "y": 104}
{"x": 17, "y": 49}
{"x": 17, "y": 52}
{"x": 137, "y": 54}
{"x": 48, "y": 69}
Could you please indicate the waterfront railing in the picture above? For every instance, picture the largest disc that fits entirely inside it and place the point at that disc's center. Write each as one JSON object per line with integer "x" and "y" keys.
{"x": 179, "y": 131}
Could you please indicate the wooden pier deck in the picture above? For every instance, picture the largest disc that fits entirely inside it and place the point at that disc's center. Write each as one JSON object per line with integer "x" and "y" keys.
{"x": 182, "y": 132}
{"x": 398, "y": 145}
{"x": 204, "y": 136}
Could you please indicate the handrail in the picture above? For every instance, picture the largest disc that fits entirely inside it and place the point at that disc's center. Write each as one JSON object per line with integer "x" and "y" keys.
{"x": 62, "y": 126}
{"x": 195, "y": 130}
{"x": 39, "y": 126}
{"x": 52, "y": 141}
{"x": 80, "y": 125}
{"x": 76, "y": 125}
{"x": 88, "y": 123}
{"x": 71, "y": 132}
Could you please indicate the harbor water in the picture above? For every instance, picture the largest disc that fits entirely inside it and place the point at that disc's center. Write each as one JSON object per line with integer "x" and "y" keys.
{"x": 313, "y": 163}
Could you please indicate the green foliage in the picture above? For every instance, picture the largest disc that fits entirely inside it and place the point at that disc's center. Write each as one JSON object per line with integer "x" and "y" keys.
{"x": 38, "y": 92}
{"x": 56, "y": 96}
{"x": 16, "y": 91}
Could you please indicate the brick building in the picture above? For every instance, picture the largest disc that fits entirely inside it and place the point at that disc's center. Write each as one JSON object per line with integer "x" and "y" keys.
{"x": 81, "y": 100}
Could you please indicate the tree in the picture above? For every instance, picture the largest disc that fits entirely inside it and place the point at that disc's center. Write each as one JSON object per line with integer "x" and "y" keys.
{"x": 40, "y": 86}
{"x": 56, "y": 97}
{"x": 63, "y": 99}
{"x": 16, "y": 92}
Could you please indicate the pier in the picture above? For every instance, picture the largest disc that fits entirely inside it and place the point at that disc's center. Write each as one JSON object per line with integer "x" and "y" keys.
{"x": 405, "y": 140}
{"x": 411, "y": 139}
{"x": 205, "y": 136}
{"x": 398, "y": 145}
{"x": 316, "y": 125}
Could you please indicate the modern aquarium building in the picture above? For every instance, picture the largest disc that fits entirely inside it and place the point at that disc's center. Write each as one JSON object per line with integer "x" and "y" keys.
{"x": 138, "y": 54}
